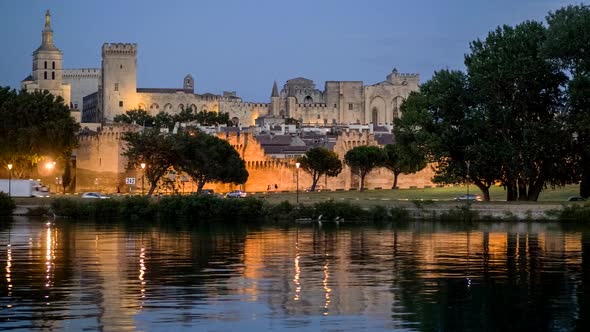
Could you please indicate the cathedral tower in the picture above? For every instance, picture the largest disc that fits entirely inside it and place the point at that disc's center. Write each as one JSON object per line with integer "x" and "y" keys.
{"x": 47, "y": 66}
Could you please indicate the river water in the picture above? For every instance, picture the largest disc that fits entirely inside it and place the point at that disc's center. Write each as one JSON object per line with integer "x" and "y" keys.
{"x": 424, "y": 276}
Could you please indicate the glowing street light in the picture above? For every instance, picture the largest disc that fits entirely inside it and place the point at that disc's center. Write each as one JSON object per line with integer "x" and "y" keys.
{"x": 297, "y": 167}
{"x": 9, "y": 180}
{"x": 142, "y": 176}
{"x": 50, "y": 165}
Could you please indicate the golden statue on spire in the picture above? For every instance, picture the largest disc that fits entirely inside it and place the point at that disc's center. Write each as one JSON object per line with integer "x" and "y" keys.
{"x": 47, "y": 19}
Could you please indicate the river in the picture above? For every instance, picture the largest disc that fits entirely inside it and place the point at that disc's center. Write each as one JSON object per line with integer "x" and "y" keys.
{"x": 414, "y": 276}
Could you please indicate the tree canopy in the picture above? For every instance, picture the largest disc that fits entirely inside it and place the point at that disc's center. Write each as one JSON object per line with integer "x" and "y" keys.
{"x": 168, "y": 120}
{"x": 406, "y": 159}
{"x": 204, "y": 157}
{"x": 320, "y": 161}
{"x": 34, "y": 125}
{"x": 207, "y": 158}
{"x": 363, "y": 159}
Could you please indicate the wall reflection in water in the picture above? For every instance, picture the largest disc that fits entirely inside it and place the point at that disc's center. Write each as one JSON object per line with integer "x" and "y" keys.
{"x": 427, "y": 276}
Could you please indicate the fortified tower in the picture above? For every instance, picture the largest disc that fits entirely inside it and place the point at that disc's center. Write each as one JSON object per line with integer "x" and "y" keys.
{"x": 119, "y": 79}
{"x": 275, "y": 100}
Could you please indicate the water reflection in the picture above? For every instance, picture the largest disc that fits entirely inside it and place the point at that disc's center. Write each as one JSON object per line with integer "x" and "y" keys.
{"x": 425, "y": 276}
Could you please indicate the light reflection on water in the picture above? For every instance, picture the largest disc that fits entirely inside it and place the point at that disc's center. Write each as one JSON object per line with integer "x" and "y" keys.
{"x": 69, "y": 275}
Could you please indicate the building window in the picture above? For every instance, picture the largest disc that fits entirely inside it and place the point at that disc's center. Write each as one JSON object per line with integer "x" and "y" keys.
{"x": 335, "y": 105}
{"x": 350, "y": 107}
{"x": 44, "y": 75}
{"x": 120, "y": 103}
{"x": 45, "y": 65}
{"x": 52, "y": 75}
{"x": 53, "y": 65}
{"x": 76, "y": 106}
{"x": 120, "y": 66}
{"x": 116, "y": 86}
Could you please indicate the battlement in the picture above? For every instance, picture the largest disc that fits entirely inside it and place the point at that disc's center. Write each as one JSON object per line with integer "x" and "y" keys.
{"x": 82, "y": 73}
{"x": 396, "y": 77}
{"x": 119, "y": 49}
{"x": 312, "y": 106}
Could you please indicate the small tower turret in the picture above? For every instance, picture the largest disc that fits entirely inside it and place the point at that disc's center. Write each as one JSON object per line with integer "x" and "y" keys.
{"x": 189, "y": 84}
{"x": 274, "y": 100}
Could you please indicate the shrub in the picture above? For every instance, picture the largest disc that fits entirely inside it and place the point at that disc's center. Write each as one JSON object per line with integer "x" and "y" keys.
{"x": 379, "y": 214}
{"x": 330, "y": 210}
{"x": 399, "y": 213}
{"x": 136, "y": 207}
{"x": 65, "y": 207}
{"x": 575, "y": 213}
{"x": 460, "y": 213}
{"x": 7, "y": 204}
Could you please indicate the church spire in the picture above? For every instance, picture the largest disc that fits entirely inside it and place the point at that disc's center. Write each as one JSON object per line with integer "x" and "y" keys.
{"x": 275, "y": 90}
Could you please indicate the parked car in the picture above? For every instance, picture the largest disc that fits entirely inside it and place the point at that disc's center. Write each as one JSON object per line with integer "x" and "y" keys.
{"x": 576, "y": 199}
{"x": 236, "y": 194}
{"x": 93, "y": 194}
{"x": 469, "y": 197}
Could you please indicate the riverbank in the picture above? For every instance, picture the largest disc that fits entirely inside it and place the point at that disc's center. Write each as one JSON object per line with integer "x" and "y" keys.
{"x": 345, "y": 210}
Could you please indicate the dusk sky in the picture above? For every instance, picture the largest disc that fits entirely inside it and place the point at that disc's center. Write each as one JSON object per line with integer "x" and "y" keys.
{"x": 244, "y": 46}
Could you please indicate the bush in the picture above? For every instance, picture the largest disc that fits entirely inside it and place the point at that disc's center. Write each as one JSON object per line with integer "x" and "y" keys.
{"x": 7, "y": 204}
{"x": 399, "y": 213}
{"x": 575, "y": 213}
{"x": 65, "y": 207}
{"x": 460, "y": 213}
{"x": 136, "y": 208}
{"x": 379, "y": 214}
{"x": 331, "y": 210}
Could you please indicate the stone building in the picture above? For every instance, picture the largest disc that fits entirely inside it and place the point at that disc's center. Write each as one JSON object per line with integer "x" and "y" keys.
{"x": 343, "y": 102}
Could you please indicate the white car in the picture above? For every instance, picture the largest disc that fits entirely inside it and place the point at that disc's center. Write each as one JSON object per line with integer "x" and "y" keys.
{"x": 236, "y": 194}
{"x": 94, "y": 195}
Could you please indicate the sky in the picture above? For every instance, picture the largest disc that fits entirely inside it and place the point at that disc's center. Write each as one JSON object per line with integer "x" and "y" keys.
{"x": 245, "y": 45}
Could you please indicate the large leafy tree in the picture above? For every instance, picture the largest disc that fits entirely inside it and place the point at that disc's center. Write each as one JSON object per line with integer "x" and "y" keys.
{"x": 518, "y": 92}
{"x": 34, "y": 125}
{"x": 158, "y": 151}
{"x": 207, "y": 158}
{"x": 363, "y": 159}
{"x": 320, "y": 161}
{"x": 568, "y": 37}
{"x": 441, "y": 122}
{"x": 406, "y": 159}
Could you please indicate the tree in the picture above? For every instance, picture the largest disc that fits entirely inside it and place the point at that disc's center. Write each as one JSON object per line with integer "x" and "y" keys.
{"x": 138, "y": 116}
{"x": 363, "y": 159}
{"x": 320, "y": 161}
{"x": 208, "y": 158}
{"x": 406, "y": 159}
{"x": 518, "y": 93}
{"x": 568, "y": 37}
{"x": 158, "y": 151}
{"x": 212, "y": 118}
{"x": 34, "y": 125}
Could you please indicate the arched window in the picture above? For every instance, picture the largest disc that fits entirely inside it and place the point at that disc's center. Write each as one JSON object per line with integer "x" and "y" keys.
{"x": 181, "y": 107}
{"x": 44, "y": 75}
{"x": 53, "y": 65}
{"x": 52, "y": 75}
{"x": 308, "y": 100}
{"x": 45, "y": 67}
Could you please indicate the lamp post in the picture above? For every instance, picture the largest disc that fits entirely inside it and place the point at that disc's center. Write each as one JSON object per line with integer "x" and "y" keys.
{"x": 49, "y": 165}
{"x": 468, "y": 199}
{"x": 9, "y": 180}
{"x": 297, "y": 167}
{"x": 142, "y": 176}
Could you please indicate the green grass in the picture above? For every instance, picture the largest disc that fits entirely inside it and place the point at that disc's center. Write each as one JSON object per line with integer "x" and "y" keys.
{"x": 498, "y": 194}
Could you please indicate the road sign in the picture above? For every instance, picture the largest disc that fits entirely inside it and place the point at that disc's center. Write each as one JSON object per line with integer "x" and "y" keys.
{"x": 130, "y": 181}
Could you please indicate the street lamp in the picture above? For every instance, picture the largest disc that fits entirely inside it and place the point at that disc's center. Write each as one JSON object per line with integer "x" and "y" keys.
{"x": 297, "y": 167}
{"x": 50, "y": 165}
{"x": 142, "y": 176}
{"x": 468, "y": 199}
{"x": 9, "y": 180}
